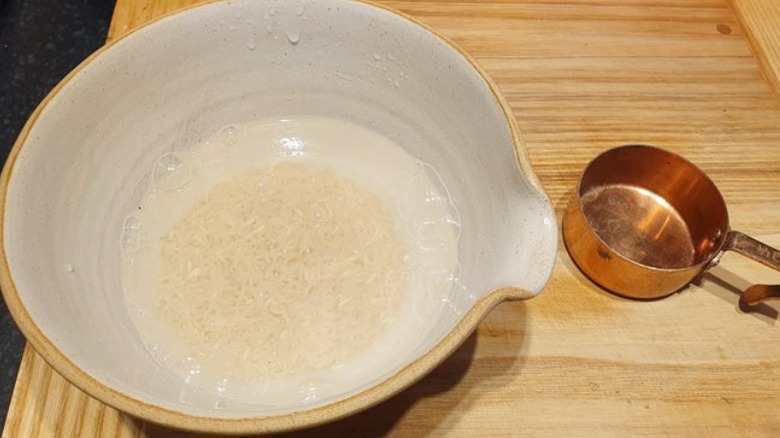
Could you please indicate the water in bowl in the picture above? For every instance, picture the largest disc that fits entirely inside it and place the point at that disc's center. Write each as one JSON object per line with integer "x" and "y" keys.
{"x": 288, "y": 260}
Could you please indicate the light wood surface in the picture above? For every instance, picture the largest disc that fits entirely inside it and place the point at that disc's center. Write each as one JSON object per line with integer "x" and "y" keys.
{"x": 581, "y": 76}
{"x": 759, "y": 17}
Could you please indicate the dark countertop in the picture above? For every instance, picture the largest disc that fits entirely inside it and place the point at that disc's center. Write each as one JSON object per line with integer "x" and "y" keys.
{"x": 40, "y": 42}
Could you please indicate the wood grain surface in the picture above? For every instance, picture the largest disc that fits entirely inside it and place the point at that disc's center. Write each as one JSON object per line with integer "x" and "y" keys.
{"x": 581, "y": 76}
{"x": 759, "y": 17}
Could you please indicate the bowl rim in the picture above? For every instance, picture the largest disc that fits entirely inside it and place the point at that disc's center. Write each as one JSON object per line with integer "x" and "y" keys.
{"x": 276, "y": 423}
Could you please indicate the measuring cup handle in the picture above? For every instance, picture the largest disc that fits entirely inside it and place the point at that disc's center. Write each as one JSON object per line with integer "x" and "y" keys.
{"x": 762, "y": 253}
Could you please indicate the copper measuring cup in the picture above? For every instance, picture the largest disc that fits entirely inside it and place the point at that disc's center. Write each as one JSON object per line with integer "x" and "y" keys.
{"x": 644, "y": 222}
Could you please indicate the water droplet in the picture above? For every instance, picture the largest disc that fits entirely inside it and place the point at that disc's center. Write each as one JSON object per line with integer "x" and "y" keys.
{"x": 377, "y": 56}
{"x": 222, "y": 385}
{"x": 397, "y": 84}
{"x": 220, "y": 404}
{"x": 250, "y": 44}
{"x": 229, "y": 134}
{"x": 171, "y": 172}
{"x": 67, "y": 267}
{"x": 191, "y": 367}
{"x": 293, "y": 37}
{"x": 272, "y": 12}
{"x": 292, "y": 146}
{"x": 299, "y": 11}
{"x": 308, "y": 392}
{"x": 133, "y": 237}
{"x": 390, "y": 56}
{"x": 269, "y": 28}
{"x": 232, "y": 27}
{"x": 454, "y": 309}
{"x": 132, "y": 223}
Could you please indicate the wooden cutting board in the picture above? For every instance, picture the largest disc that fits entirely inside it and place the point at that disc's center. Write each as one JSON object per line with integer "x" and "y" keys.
{"x": 694, "y": 76}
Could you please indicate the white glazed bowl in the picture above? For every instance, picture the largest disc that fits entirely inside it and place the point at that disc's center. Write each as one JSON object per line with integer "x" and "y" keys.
{"x": 73, "y": 173}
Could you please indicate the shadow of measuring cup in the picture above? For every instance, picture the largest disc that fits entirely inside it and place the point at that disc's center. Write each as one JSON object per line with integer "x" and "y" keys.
{"x": 644, "y": 223}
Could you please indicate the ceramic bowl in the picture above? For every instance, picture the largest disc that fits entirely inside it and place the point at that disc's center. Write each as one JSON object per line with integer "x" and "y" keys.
{"x": 74, "y": 172}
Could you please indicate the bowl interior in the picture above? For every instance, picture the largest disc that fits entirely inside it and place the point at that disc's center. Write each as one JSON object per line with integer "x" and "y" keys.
{"x": 173, "y": 84}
